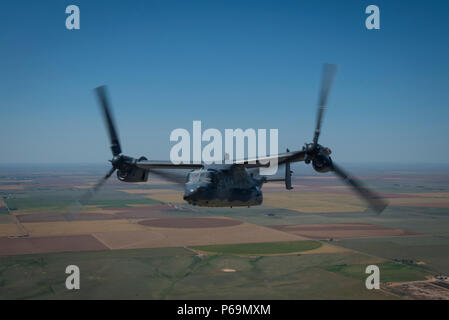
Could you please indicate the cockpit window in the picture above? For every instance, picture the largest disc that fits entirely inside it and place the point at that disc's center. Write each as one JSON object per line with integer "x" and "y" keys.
{"x": 193, "y": 177}
{"x": 206, "y": 176}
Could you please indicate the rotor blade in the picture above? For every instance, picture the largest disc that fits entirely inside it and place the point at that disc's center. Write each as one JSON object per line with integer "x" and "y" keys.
{"x": 74, "y": 209}
{"x": 90, "y": 193}
{"x": 377, "y": 203}
{"x": 176, "y": 178}
{"x": 329, "y": 71}
{"x": 113, "y": 137}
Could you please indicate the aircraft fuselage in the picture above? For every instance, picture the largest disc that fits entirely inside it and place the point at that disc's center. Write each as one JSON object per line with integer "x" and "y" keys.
{"x": 222, "y": 186}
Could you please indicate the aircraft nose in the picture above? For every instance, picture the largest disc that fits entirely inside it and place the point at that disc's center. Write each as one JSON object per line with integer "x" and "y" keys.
{"x": 193, "y": 194}
{"x": 189, "y": 194}
{"x": 187, "y": 197}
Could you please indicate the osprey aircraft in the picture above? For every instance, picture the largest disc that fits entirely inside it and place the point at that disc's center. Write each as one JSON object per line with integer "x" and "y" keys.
{"x": 231, "y": 184}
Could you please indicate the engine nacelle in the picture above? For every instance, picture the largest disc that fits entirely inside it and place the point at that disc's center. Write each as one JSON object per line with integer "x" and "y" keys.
{"x": 127, "y": 171}
{"x": 132, "y": 174}
{"x": 322, "y": 163}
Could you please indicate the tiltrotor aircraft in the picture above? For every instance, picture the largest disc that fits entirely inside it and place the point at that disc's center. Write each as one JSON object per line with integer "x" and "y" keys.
{"x": 228, "y": 185}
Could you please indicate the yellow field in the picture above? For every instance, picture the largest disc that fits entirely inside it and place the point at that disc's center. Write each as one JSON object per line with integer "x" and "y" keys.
{"x": 440, "y": 202}
{"x": 313, "y": 202}
{"x": 9, "y": 229}
{"x": 97, "y": 209}
{"x": 167, "y": 237}
{"x": 429, "y": 194}
{"x": 146, "y": 191}
{"x": 127, "y": 233}
{"x": 11, "y": 187}
{"x": 164, "y": 195}
{"x": 81, "y": 227}
{"x": 326, "y": 249}
{"x": 167, "y": 197}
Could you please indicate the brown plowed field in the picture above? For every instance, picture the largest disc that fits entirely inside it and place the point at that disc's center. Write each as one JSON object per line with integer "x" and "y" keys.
{"x": 181, "y": 237}
{"x": 190, "y": 223}
{"x": 15, "y": 246}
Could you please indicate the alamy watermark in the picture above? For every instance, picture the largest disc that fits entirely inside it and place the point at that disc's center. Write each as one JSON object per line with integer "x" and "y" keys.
{"x": 373, "y": 280}
{"x": 373, "y": 20}
{"x": 190, "y": 149}
{"x": 72, "y": 282}
{"x": 73, "y": 20}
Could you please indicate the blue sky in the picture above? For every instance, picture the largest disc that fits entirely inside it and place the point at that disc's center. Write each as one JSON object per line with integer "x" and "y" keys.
{"x": 230, "y": 64}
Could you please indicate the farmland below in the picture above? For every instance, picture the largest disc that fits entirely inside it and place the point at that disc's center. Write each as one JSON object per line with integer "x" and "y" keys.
{"x": 141, "y": 241}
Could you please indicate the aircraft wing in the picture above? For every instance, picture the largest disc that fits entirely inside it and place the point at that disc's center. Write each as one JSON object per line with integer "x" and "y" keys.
{"x": 166, "y": 164}
{"x": 294, "y": 156}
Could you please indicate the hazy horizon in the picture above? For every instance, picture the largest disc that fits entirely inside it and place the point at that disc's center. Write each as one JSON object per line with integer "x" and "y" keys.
{"x": 299, "y": 167}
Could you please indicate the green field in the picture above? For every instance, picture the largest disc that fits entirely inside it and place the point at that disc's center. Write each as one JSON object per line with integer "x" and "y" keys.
{"x": 390, "y": 272}
{"x": 177, "y": 273}
{"x": 432, "y": 251}
{"x": 261, "y": 248}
